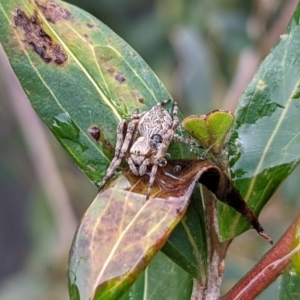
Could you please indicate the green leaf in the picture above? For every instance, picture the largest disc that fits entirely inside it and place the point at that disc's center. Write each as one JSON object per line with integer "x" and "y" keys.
{"x": 295, "y": 246}
{"x": 289, "y": 286}
{"x": 265, "y": 140}
{"x": 77, "y": 73}
{"x": 161, "y": 280}
{"x": 85, "y": 90}
{"x": 210, "y": 129}
{"x": 290, "y": 280}
{"x": 187, "y": 245}
{"x": 121, "y": 232}
{"x": 80, "y": 77}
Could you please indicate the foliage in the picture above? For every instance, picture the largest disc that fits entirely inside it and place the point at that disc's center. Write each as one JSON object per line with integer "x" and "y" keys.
{"x": 78, "y": 73}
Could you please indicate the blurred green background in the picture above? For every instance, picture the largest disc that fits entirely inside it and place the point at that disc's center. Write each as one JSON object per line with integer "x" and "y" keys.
{"x": 205, "y": 52}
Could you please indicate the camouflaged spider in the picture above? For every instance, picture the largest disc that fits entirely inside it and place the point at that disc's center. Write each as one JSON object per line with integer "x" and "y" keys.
{"x": 145, "y": 141}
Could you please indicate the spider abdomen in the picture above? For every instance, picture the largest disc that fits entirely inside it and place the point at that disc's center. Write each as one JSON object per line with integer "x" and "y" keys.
{"x": 155, "y": 121}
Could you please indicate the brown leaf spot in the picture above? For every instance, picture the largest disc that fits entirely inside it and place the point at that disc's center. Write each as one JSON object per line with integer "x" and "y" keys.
{"x": 89, "y": 25}
{"x": 120, "y": 77}
{"x": 38, "y": 39}
{"x": 53, "y": 12}
{"x": 108, "y": 67}
{"x": 95, "y": 132}
{"x": 141, "y": 100}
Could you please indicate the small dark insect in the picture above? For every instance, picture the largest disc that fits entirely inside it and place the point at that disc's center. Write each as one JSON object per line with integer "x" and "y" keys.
{"x": 145, "y": 142}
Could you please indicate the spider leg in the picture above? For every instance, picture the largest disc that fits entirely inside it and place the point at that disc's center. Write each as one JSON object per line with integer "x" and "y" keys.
{"x": 114, "y": 163}
{"x": 175, "y": 117}
{"x": 130, "y": 134}
{"x": 132, "y": 166}
{"x": 159, "y": 158}
{"x": 122, "y": 146}
{"x": 183, "y": 140}
{"x": 151, "y": 180}
{"x": 143, "y": 166}
{"x": 136, "y": 116}
{"x": 121, "y": 130}
{"x": 163, "y": 102}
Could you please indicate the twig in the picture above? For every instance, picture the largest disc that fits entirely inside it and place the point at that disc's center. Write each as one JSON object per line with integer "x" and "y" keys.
{"x": 216, "y": 252}
{"x": 266, "y": 270}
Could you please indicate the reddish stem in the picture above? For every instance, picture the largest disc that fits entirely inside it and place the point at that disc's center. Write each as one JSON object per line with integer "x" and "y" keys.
{"x": 266, "y": 270}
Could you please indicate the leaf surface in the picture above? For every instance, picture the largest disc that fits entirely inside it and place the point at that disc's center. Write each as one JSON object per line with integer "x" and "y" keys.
{"x": 289, "y": 286}
{"x": 162, "y": 279}
{"x": 81, "y": 78}
{"x": 265, "y": 140}
{"x": 290, "y": 280}
{"x": 121, "y": 232}
{"x": 77, "y": 73}
{"x": 210, "y": 129}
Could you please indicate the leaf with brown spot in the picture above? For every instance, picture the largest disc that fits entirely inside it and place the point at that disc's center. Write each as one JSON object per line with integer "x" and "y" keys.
{"x": 88, "y": 87}
{"x": 53, "y": 11}
{"x": 77, "y": 73}
{"x": 121, "y": 232}
{"x": 31, "y": 28}
{"x": 95, "y": 132}
{"x": 81, "y": 90}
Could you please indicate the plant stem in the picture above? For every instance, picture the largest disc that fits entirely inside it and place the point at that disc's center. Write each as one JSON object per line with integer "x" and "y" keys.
{"x": 266, "y": 270}
{"x": 216, "y": 252}
{"x": 198, "y": 289}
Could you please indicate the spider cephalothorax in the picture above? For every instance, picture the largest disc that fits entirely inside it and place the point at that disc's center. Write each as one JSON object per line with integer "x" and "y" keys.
{"x": 145, "y": 141}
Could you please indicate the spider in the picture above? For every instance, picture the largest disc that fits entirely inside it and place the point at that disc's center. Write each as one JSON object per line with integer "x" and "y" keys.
{"x": 144, "y": 141}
